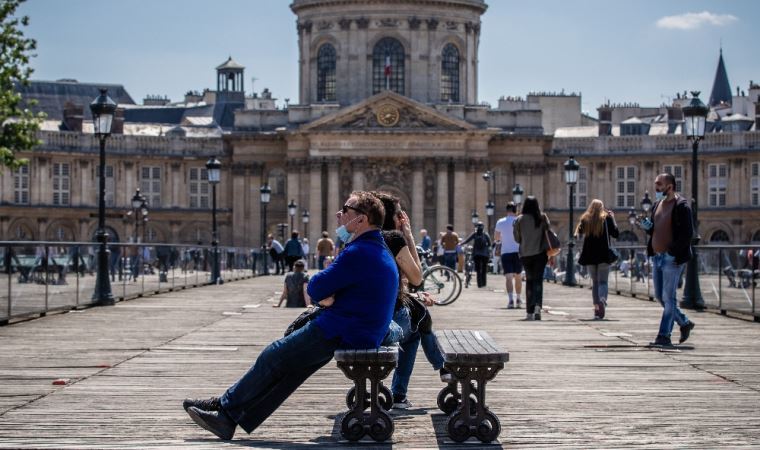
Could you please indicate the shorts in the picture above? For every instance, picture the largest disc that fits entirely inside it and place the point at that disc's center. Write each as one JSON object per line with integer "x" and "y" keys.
{"x": 510, "y": 263}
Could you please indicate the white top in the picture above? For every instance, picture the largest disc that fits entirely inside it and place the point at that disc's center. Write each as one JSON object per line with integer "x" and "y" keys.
{"x": 505, "y": 226}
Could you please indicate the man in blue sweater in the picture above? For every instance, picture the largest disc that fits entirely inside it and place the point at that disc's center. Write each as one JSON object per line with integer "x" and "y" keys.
{"x": 359, "y": 291}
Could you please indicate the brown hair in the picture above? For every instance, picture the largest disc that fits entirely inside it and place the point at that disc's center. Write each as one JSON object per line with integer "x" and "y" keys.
{"x": 371, "y": 206}
{"x": 591, "y": 222}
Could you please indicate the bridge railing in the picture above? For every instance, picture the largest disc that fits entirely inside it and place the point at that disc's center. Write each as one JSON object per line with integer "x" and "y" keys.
{"x": 39, "y": 277}
{"x": 728, "y": 276}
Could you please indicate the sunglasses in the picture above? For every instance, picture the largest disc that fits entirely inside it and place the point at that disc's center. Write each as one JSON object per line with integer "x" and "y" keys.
{"x": 347, "y": 207}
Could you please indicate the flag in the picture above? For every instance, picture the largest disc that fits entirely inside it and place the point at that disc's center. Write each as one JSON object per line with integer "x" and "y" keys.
{"x": 388, "y": 68}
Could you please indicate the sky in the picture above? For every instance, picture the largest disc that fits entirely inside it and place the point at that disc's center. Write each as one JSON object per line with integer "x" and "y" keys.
{"x": 642, "y": 51}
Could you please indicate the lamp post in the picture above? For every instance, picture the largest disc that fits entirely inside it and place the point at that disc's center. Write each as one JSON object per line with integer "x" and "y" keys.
{"x": 305, "y": 220}
{"x": 265, "y": 192}
{"x": 213, "y": 168}
{"x": 490, "y": 208}
{"x": 571, "y": 178}
{"x": 292, "y": 210}
{"x": 140, "y": 211}
{"x": 646, "y": 203}
{"x": 102, "y": 109}
{"x": 517, "y": 194}
{"x": 475, "y": 217}
{"x": 695, "y": 116}
{"x": 489, "y": 176}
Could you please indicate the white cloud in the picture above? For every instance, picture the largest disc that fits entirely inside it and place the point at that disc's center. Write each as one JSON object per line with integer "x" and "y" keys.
{"x": 692, "y": 21}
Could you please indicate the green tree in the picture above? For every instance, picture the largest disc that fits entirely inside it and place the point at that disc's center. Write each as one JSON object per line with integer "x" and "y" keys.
{"x": 19, "y": 124}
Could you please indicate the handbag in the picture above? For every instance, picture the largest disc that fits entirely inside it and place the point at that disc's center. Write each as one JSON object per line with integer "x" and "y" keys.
{"x": 553, "y": 247}
{"x": 612, "y": 253}
{"x": 419, "y": 314}
{"x": 303, "y": 318}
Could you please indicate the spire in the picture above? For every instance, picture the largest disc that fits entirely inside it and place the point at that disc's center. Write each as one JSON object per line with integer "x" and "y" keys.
{"x": 721, "y": 90}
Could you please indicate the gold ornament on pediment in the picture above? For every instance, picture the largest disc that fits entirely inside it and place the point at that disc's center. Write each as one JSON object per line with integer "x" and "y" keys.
{"x": 388, "y": 115}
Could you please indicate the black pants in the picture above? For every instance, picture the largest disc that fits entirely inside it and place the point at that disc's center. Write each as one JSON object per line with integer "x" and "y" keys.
{"x": 534, "y": 281}
{"x": 291, "y": 260}
{"x": 481, "y": 268}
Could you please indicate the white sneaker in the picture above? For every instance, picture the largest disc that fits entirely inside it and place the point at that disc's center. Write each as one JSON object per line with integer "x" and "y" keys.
{"x": 519, "y": 304}
{"x": 529, "y": 316}
{"x": 403, "y": 404}
{"x": 510, "y": 305}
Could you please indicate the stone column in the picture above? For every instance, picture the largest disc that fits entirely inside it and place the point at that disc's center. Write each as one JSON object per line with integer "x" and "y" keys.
{"x": 254, "y": 205}
{"x": 37, "y": 172}
{"x": 358, "y": 166}
{"x": 174, "y": 181}
{"x": 418, "y": 195}
{"x": 81, "y": 194}
{"x": 476, "y": 168}
{"x": 463, "y": 198}
{"x": 293, "y": 186}
{"x": 333, "y": 186}
{"x": 240, "y": 224}
{"x": 442, "y": 196}
{"x": 122, "y": 197}
{"x": 82, "y": 233}
{"x": 7, "y": 187}
{"x": 315, "y": 200}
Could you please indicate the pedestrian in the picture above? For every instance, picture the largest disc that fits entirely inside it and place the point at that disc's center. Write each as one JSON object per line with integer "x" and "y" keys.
{"x": 449, "y": 242}
{"x": 293, "y": 250}
{"x": 510, "y": 256}
{"x": 276, "y": 251}
{"x": 306, "y": 252}
{"x": 530, "y": 233}
{"x": 325, "y": 248}
{"x": 425, "y": 241}
{"x": 670, "y": 229}
{"x": 481, "y": 252}
{"x": 294, "y": 289}
{"x": 597, "y": 226}
{"x": 358, "y": 291}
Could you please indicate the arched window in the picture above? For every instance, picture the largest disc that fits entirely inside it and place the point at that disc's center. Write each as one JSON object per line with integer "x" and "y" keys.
{"x": 388, "y": 66}
{"x": 450, "y": 74}
{"x": 326, "y": 73}
{"x": 720, "y": 236}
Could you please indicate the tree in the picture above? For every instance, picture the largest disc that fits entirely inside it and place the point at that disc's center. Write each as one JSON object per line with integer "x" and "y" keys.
{"x": 19, "y": 124}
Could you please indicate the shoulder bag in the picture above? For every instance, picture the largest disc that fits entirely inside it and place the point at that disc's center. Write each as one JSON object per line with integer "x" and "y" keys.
{"x": 612, "y": 253}
{"x": 553, "y": 247}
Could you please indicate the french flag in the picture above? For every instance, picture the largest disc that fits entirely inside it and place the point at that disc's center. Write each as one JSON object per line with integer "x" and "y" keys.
{"x": 388, "y": 67}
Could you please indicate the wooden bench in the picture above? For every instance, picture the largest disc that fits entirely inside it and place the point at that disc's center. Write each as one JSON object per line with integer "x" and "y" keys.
{"x": 363, "y": 367}
{"x": 473, "y": 359}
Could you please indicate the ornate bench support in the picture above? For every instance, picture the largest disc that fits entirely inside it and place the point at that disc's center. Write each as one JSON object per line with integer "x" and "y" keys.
{"x": 367, "y": 366}
{"x": 474, "y": 360}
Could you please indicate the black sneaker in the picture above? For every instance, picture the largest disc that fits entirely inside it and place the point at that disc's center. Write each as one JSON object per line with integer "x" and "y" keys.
{"x": 208, "y": 404}
{"x": 662, "y": 342}
{"x": 685, "y": 332}
{"x": 217, "y": 422}
{"x": 446, "y": 376}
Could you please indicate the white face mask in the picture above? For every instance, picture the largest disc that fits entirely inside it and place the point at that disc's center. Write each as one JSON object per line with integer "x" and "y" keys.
{"x": 343, "y": 233}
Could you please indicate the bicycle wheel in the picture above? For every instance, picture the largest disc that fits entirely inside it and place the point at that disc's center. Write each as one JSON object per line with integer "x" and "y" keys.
{"x": 443, "y": 283}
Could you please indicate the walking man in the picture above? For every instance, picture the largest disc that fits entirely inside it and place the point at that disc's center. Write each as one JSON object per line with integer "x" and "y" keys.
{"x": 670, "y": 230}
{"x": 325, "y": 248}
{"x": 425, "y": 242}
{"x": 277, "y": 252}
{"x": 449, "y": 242}
{"x": 293, "y": 250}
{"x": 358, "y": 291}
{"x": 510, "y": 256}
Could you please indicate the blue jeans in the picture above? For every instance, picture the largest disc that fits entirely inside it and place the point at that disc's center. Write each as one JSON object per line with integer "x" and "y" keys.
{"x": 665, "y": 274}
{"x": 280, "y": 369}
{"x": 599, "y": 276}
{"x": 450, "y": 260}
{"x": 409, "y": 342}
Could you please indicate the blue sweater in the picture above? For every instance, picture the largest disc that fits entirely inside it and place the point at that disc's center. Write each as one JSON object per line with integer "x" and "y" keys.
{"x": 364, "y": 281}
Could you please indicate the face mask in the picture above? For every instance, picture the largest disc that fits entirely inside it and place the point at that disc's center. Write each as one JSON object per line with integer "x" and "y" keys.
{"x": 343, "y": 233}
{"x": 660, "y": 196}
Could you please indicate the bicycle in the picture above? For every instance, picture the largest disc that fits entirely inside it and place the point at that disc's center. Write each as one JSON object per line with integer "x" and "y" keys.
{"x": 442, "y": 281}
{"x": 469, "y": 266}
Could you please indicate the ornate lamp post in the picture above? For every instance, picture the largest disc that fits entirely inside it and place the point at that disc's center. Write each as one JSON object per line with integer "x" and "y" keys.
{"x": 292, "y": 210}
{"x": 214, "y": 169}
{"x": 695, "y": 116}
{"x": 490, "y": 209}
{"x": 632, "y": 217}
{"x": 646, "y": 203}
{"x": 571, "y": 178}
{"x": 265, "y": 192}
{"x": 305, "y": 220}
{"x": 102, "y": 109}
{"x": 517, "y": 194}
{"x": 490, "y": 205}
{"x": 475, "y": 217}
{"x": 140, "y": 210}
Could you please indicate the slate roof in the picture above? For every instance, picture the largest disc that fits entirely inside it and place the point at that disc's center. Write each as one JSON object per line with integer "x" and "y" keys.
{"x": 721, "y": 90}
{"x": 53, "y": 95}
{"x": 230, "y": 64}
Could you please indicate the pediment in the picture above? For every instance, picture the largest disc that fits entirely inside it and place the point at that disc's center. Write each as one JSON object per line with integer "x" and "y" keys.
{"x": 385, "y": 112}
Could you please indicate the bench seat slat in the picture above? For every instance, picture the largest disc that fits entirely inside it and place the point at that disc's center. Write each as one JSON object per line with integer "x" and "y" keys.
{"x": 381, "y": 354}
{"x": 469, "y": 346}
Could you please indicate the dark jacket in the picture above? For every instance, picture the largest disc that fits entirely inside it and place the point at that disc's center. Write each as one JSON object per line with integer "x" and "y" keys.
{"x": 481, "y": 245}
{"x": 683, "y": 231}
{"x": 595, "y": 248}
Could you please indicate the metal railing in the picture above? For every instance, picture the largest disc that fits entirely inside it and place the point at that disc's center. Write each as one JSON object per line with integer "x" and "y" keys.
{"x": 727, "y": 276}
{"x": 39, "y": 277}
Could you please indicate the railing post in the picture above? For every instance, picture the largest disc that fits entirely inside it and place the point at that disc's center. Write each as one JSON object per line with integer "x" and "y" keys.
{"x": 8, "y": 268}
{"x": 720, "y": 281}
{"x": 46, "y": 268}
{"x": 76, "y": 274}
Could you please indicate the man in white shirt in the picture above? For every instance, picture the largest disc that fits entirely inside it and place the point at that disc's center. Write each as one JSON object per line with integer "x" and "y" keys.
{"x": 510, "y": 259}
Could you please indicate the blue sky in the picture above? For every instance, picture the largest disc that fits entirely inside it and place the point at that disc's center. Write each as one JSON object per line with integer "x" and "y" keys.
{"x": 625, "y": 51}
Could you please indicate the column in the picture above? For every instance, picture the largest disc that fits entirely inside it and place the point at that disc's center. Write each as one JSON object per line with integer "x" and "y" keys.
{"x": 477, "y": 168}
{"x": 358, "y": 166}
{"x": 333, "y": 186}
{"x": 122, "y": 197}
{"x": 418, "y": 196}
{"x": 463, "y": 197}
{"x": 175, "y": 179}
{"x": 293, "y": 185}
{"x": 38, "y": 169}
{"x": 254, "y": 205}
{"x": 240, "y": 224}
{"x": 442, "y": 196}
{"x": 315, "y": 200}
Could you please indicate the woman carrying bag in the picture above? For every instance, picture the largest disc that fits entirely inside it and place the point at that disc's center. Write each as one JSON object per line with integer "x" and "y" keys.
{"x": 597, "y": 225}
{"x": 530, "y": 231}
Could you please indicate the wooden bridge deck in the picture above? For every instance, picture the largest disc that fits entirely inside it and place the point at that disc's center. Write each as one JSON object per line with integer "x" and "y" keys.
{"x": 570, "y": 382}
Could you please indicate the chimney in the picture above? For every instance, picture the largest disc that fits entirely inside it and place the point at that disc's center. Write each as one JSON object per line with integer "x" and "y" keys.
{"x": 117, "y": 126}
{"x": 156, "y": 100}
{"x": 605, "y": 120}
{"x": 757, "y": 114}
{"x": 73, "y": 115}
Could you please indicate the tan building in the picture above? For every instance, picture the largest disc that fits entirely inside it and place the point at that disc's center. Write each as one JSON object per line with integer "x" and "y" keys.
{"x": 388, "y": 101}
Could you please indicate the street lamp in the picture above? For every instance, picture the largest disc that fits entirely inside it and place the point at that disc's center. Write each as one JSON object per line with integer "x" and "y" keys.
{"x": 632, "y": 217}
{"x": 490, "y": 208}
{"x": 646, "y": 203}
{"x": 305, "y": 220}
{"x": 517, "y": 194}
{"x": 475, "y": 217}
{"x": 213, "y": 168}
{"x": 489, "y": 175}
{"x": 103, "y": 109}
{"x": 571, "y": 178}
{"x": 265, "y": 192}
{"x": 695, "y": 116}
{"x": 140, "y": 210}
{"x": 292, "y": 210}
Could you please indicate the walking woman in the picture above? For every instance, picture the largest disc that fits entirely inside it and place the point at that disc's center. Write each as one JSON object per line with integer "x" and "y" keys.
{"x": 530, "y": 232}
{"x": 597, "y": 225}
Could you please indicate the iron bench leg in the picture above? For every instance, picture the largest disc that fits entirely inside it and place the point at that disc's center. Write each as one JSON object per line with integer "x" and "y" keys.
{"x": 377, "y": 423}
